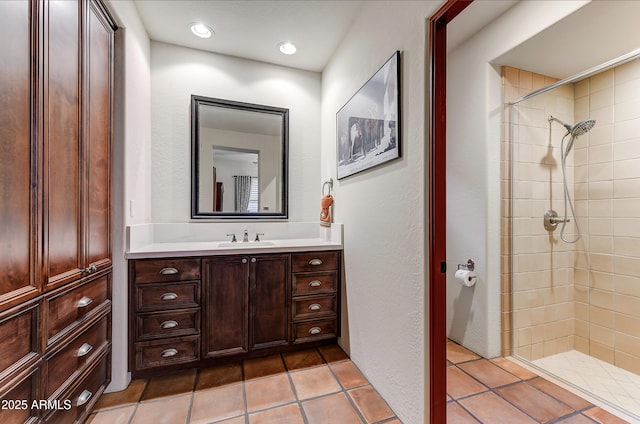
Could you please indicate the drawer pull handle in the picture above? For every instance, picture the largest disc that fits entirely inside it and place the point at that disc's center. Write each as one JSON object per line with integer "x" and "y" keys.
{"x": 169, "y": 296}
{"x": 169, "y": 324}
{"x": 315, "y": 262}
{"x": 168, "y": 271}
{"x": 84, "y": 349}
{"x": 315, "y": 330}
{"x": 84, "y": 397}
{"x": 84, "y": 302}
{"x": 168, "y": 353}
{"x": 315, "y": 283}
{"x": 89, "y": 269}
{"x": 315, "y": 307}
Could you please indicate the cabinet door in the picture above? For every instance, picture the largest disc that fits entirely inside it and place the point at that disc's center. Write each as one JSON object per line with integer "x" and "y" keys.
{"x": 269, "y": 305}
{"x": 62, "y": 173}
{"x": 225, "y": 283}
{"x": 98, "y": 136}
{"x": 18, "y": 96}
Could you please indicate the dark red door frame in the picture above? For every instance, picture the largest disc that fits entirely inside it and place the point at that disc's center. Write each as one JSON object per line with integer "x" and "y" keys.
{"x": 438, "y": 208}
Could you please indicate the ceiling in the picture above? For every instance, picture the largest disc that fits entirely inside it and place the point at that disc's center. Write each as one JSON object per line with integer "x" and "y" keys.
{"x": 596, "y": 33}
{"x": 253, "y": 29}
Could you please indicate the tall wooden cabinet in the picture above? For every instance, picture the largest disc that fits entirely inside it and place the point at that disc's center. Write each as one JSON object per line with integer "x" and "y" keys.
{"x": 55, "y": 207}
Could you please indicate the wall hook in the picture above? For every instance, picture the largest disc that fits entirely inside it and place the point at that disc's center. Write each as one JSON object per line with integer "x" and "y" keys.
{"x": 327, "y": 185}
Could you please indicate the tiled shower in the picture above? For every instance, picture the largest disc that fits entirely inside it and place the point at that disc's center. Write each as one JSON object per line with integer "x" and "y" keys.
{"x": 580, "y": 299}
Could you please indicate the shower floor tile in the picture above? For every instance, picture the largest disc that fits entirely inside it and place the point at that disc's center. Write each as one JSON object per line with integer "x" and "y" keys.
{"x": 483, "y": 394}
{"x": 604, "y": 380}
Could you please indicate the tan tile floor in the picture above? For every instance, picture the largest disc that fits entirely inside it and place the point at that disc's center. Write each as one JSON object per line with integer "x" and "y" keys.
{"x": 499, "y": 391}
{"x": 314, "y": 386}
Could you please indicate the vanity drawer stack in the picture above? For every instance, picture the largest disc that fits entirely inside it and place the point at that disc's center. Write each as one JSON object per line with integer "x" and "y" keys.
{"x": 166, "y": 311}
{"x": 77, "y": 340}
{"x": 315, "y": 291}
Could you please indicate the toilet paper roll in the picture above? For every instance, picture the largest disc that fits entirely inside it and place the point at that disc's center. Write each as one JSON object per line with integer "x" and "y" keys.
{"x": 468, "y": 278}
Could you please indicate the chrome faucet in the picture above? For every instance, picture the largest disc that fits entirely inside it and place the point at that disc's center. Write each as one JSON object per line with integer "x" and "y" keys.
{"x": 245, "y": 237}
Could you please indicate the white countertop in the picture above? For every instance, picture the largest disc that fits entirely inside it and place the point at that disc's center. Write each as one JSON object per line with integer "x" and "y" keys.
{"x": 197, "y": 239}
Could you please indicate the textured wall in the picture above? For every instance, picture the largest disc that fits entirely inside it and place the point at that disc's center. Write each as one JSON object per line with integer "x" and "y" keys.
{"x": 178, "y": 72}
{"x": 383, "y": 209}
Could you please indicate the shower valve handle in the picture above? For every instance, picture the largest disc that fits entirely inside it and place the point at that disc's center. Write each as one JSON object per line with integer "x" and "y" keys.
{"x": 551, "y": 220}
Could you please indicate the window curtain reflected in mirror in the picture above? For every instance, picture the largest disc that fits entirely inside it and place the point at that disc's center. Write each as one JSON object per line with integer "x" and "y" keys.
{"x": 246, "y": 190}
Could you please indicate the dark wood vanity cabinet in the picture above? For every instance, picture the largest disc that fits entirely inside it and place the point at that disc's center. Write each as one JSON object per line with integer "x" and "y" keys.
{"x": 56, "y": 84}
{"x": 269, "y": 300}
{"x": 225, "y": 306}
{"x": 165, "y": 324}
{"x": 249, "y": 305}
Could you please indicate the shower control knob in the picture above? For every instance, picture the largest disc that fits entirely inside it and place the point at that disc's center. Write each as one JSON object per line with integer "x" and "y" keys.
{"x": 551, "y": 220}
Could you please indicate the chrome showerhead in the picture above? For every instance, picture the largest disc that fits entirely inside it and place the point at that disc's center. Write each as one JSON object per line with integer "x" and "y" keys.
{"x": 577, "y": 130}
{"x": 582, "y": 127}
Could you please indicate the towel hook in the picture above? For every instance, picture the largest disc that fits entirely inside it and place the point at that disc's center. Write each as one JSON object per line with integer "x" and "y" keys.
{"x": 328, "y": 184}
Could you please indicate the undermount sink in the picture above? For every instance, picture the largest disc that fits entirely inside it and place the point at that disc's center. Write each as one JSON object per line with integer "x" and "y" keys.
{"x": 246, "y": 244}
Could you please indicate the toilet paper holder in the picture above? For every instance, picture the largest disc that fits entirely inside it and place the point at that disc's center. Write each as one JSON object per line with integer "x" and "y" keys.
{"x": 470, "y": 265}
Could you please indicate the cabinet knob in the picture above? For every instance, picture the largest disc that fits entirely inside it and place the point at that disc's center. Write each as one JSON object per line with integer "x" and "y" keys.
{"x": 315, "y": 262}
{"x": 169, "y": 296}
{"x": 315, "y": 330}
{"x": 315, "y": 283}
{"x": 253, "y": 260}
{"x": 84, "y": 397}
{"x": 168, "y": 353}
{"x": 89, "y": 269}
{"x": 84, "y": 302}
{"x": 168, "y": 271}
{"x": 244, "y": 260}
{"x": 84, "y": 349}
{"x": 166, "y": 325}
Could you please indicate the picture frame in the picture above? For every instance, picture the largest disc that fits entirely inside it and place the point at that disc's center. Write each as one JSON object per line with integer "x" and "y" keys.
{"x": 368, "y": 125}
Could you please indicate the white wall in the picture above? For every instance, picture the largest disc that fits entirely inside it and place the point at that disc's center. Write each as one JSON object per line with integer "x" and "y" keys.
{"x": 383, "y": 209}
{"x": 131, "y": 164}
{"x": 474, "y": 110}
{"x": 178, "y": 72}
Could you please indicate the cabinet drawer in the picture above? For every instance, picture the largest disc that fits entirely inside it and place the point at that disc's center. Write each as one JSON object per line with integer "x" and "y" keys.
{"x": 313, "y": 307}
{"x": 317, "y": 282}
{"x": 161, "y": 296}
{"x": 77, "y": 404}
{"x": 315, "y": 330}
{"x": 17, "y": 401}
{"x": 68, "y": 307}
{"x": 167, "y": 352}
{"x": 18, "y": 337}
{"x": 168, "y": 324}
{"x": 72, "y": 359}
{"x": 314, "y": 261}
{"x": 157, "y": 271}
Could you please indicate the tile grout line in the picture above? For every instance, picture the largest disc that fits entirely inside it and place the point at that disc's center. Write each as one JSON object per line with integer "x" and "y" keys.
{"x": 493, "y": 390}
{"x": 293, "y": 389}
{"x": 137, "y": 404}
{"x": 244, "y": 393}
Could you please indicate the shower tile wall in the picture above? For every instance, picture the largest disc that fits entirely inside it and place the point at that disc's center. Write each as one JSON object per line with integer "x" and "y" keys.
{"x": 540, "y": 286}
{"x": 584, "y": 296}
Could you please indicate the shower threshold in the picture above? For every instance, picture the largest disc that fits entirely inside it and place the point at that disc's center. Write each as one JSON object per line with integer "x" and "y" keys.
{"x": 618, "y": 388}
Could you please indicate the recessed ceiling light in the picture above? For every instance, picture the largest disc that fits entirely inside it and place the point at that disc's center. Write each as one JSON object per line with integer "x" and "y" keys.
{"x": 201, "y": 30}
{"x": 287, "y": 47}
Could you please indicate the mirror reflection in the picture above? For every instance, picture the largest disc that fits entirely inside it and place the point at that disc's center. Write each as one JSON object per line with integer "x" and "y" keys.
{"x": 239, "y": 159}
